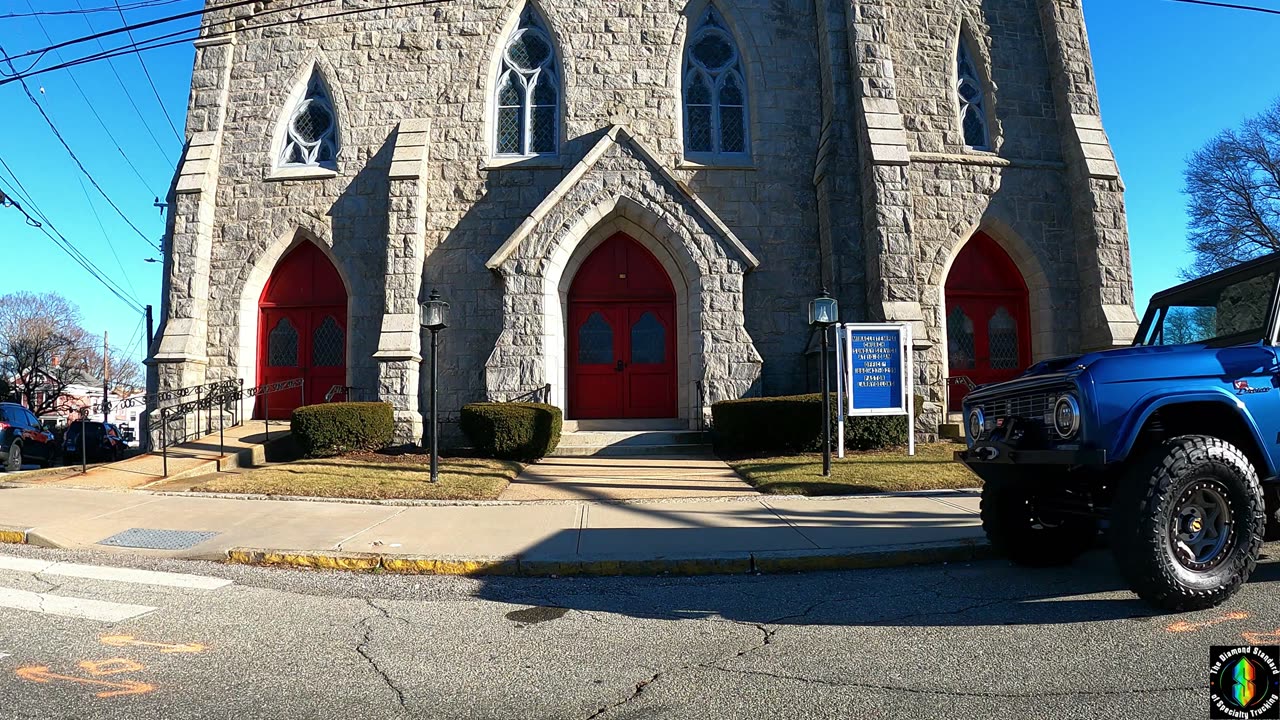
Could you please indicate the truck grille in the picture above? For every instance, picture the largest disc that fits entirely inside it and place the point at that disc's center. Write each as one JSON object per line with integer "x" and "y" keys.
{"x": 1035, "y": 408}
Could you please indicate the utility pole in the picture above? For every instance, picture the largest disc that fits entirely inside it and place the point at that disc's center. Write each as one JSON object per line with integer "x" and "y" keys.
{"x": 150, "y": 333}
{"x": 106, "y": 374}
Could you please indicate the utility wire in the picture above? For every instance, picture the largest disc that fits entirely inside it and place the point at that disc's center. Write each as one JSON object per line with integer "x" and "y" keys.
{"x": 84, "y": 11}
{"x": 1231, "y": 6}
{"x": 163, "y": 110}
{"x": 111, "y": 246}
{"x": 79, "y": 164}
{"x": 61, "y": 240}
{"x": 129, "y": 96}
{"x": 93, "y": 109}
{"x": 147, "y": 44}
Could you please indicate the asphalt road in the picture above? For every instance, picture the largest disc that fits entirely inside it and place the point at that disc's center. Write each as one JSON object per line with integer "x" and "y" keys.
{"x": 975, "y": 640}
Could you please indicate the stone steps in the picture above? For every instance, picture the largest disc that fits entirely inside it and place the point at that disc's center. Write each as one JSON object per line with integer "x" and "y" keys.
{"x": 632, "y": 443}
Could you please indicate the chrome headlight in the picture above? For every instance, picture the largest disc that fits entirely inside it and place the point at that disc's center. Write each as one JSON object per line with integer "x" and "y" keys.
{"x": 977, "y": 423}
{"x": 1066, "y": 417}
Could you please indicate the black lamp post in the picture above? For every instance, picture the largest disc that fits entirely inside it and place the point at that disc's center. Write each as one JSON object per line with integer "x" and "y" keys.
{"x": 823, "y": 313}
{"x": 435, "y": 317}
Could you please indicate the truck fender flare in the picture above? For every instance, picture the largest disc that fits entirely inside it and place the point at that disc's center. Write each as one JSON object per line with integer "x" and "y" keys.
{"x": 1153, "y": 402}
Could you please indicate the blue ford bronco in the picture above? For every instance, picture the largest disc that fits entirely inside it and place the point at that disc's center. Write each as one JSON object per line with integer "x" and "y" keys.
{"x": 1173, "y": 443}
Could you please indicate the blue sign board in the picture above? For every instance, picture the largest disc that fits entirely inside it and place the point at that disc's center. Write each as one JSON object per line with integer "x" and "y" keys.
{"x": 876, "y": 370}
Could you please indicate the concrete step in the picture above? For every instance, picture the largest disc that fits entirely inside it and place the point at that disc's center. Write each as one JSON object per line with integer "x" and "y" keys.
{"x": 625, "y": 443}
{"x": 629, "y": 451}
{"x": 624, "y": 425}
{"x": 634, "y": 438}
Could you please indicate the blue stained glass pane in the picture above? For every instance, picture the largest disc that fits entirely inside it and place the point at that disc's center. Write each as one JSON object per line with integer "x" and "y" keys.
{"x": 960, "y": 340}
{"x": 648, "y": 341}
{"x": 595, "y": 341}
{"x": 282, "y": 345}
{"x": 698, "y": 91}
{"x": 328, "y": 344}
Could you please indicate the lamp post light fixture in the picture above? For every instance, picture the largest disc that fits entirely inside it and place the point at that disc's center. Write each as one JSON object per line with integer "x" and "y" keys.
{"x": 435, "y": 317}
{"x": 823, "y": 313}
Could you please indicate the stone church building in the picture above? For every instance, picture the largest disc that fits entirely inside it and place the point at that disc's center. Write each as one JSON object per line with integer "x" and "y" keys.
{"x": 629, "y": 203}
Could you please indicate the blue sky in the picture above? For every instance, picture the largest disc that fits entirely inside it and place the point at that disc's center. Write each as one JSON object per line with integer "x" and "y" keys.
{"x": 1170, "y": 76}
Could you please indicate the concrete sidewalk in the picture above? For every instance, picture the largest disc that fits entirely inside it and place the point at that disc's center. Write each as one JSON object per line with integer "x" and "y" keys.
{"x": 692, "y": 536}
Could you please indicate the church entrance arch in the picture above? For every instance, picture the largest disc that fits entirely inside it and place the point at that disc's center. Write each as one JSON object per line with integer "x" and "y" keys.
{"x": 302, "y": 329}
{"x": 622, "y": 335}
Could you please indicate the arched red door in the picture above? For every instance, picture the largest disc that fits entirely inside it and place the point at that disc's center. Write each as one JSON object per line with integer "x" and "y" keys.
{"x": 622, "y": 340}
{"x": 302, "y": 329}
{"x": 988, "y": 325}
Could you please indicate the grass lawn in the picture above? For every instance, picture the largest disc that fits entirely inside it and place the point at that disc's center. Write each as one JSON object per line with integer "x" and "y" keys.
{"x": 932, "y": 468}
{"x": 373, "y": 476}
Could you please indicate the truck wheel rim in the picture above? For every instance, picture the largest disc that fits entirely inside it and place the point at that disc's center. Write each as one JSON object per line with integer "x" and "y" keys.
{"x": 1200, "y": 530}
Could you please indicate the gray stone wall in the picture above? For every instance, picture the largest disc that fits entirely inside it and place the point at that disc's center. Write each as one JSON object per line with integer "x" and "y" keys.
{"x": 858, "y": 178}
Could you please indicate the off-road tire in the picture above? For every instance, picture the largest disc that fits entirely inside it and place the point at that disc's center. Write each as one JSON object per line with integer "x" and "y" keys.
{"x": 14, "y": 462}
{"x": 1015, "y": 529}
{"x": 1142, "y": 521}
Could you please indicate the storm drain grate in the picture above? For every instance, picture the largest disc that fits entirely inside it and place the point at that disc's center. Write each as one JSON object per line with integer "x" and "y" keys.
{"x": 154, "y": 539}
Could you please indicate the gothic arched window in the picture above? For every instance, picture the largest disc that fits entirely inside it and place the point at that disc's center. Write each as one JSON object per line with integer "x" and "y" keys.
{"x": 972, "y": 97}
{"x": 715, "y": 92}
{"x": 311, "y": 134}
{"x": 527, "y": 94}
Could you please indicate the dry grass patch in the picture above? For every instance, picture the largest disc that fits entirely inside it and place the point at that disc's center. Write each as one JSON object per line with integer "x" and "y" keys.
{"x": 931, "y": 468}
{"x": 373, "y": 476}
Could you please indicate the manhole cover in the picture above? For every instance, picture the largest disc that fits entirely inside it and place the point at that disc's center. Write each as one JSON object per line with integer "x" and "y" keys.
{"x": 155, "y": 539}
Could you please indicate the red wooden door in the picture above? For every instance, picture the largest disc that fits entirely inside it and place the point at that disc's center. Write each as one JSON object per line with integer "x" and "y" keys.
{"x": 302, "y": 330}
{"x": 622, "y": 354}
{"x": 988, "y": 324}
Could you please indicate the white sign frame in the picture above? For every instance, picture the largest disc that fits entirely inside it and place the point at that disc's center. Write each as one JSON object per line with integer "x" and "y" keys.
{"x": 844, "y": 379}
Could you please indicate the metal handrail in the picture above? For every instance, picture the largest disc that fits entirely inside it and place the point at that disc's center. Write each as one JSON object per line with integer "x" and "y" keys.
{"x": 230, "y": 394}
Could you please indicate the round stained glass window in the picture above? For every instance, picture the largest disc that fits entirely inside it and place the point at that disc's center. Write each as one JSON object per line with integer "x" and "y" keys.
{"x": 529, "y": 51}
{"x": 713, "y": 51}
{"x": 312, "y": 122}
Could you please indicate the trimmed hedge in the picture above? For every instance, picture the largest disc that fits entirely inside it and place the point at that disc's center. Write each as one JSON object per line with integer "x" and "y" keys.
{"x": 793, "y": 423}
{"x": 512, "y": 431}
{"x": 337, "y": 428}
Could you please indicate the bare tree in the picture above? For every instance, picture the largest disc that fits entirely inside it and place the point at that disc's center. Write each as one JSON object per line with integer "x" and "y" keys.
{"x": 43, "y": 348}
{"x": 1233, "y": 183}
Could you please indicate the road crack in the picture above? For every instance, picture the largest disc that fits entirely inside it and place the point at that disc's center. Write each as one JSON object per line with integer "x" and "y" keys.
{"x": 363, "y": 647}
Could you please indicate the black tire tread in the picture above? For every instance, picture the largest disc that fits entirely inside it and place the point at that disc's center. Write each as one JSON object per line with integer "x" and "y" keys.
{"x": 1137, "y": 537}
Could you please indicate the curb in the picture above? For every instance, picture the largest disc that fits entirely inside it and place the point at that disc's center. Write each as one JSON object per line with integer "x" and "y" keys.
{"x": 781, "y": 561}
{"x": 13, "y": 535}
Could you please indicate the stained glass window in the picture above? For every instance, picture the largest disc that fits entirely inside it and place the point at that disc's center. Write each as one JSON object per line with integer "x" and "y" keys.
{"x": 595, "y": 341}
{"x": 960, "y": 344}
{"x": 1002, "y": 340}
{"x": 328, "y": 344}
{"x": 528, "y": 92}
{"x": 969, "y": 91}
{"x": 648, "y": 341}
{"x": 715, "y": 96}
{"x": 311, "y": 137}
{"x": 282, "y": 345}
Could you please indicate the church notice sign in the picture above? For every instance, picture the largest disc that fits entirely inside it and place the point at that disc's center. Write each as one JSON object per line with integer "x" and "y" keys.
{"x": 875, "y": 371}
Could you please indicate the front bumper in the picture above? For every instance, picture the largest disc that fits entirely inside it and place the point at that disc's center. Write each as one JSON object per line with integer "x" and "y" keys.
{"x": 990, "y": 452}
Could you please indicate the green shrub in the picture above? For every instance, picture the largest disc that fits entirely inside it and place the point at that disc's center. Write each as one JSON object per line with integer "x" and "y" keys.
{"x": 512, "y": 431}
{"x": 793, "y": 423}
{"x": 336, "y": 428}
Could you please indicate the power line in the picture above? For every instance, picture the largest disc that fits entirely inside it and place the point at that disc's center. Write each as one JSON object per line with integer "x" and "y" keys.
{"x": 61, "y": 240}
{"x": 79, "y": 164}
{"x": 163, "y": 111}
{"x": 82, "y": 11}
{"x": 93, "y": 109}
{"x": 128, "y": 96}
{"x": 110, "y": 245}
{"x": 1231, "y": 6}
{"x": 147, "y": 44}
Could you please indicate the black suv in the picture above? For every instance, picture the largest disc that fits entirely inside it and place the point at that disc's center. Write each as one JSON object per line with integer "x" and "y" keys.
{"x": 23, "y": 439}
{"x": 105, "y": 441}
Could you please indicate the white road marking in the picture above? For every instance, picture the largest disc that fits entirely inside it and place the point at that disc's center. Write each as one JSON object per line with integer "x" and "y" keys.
{"x": 114, "y": 574}
{"x": 69, "y": 606}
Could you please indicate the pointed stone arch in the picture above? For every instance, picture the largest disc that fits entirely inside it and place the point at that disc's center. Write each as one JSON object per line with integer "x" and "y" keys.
{"x": 318, "y": 68}
{"x": 975, "y": 47}
{"x": 753, "y": 72}
{"x": 561, "y": 57}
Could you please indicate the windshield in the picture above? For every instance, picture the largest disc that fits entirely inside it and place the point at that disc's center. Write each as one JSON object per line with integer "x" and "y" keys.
{"x": 1224, "y": 313}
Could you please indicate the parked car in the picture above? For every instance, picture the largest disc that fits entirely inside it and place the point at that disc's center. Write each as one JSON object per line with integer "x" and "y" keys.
{"x": 1169, "y": 440}
{"x": 23, "y": 439}
{"x": 104, "y": 442}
